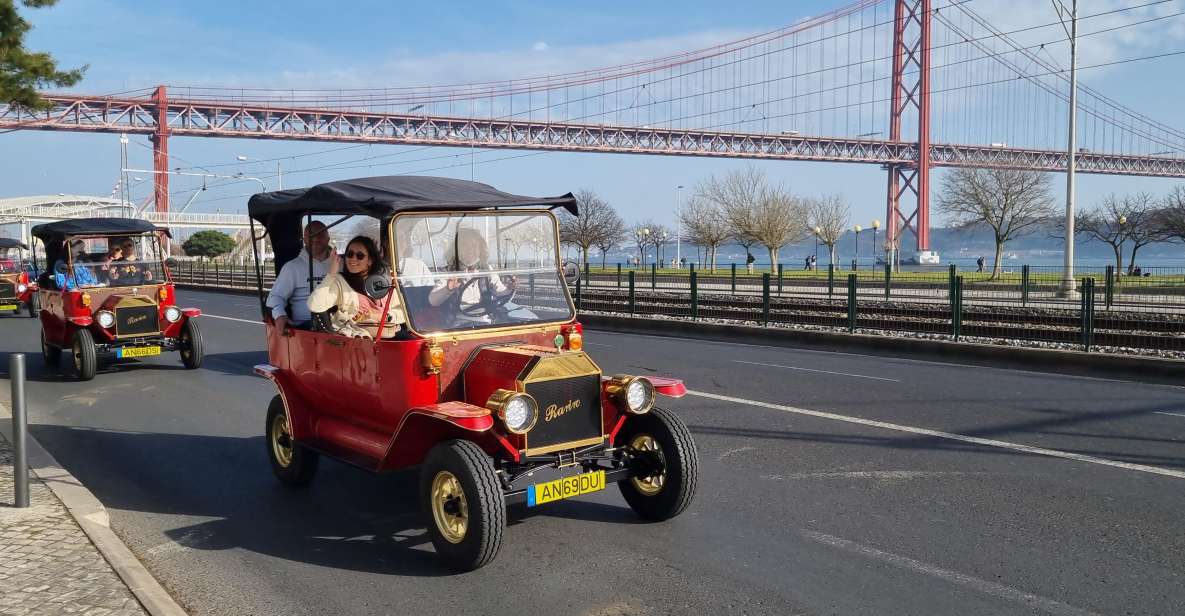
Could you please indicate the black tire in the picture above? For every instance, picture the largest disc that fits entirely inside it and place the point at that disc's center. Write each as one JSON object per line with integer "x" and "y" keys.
{"x": 32, "y": 306}
{"x": 476, "y": 482}
{"x": 82, "y": 352}
{"x": 190, "y": 345}
{"x": 51, "y": 355}
{"x": 293, "y": 464}
{"x": 662, "y": 497}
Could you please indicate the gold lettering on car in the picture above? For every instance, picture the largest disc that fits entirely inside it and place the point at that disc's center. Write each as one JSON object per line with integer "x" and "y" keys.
{"x": 554, "y": 411}
{"x": 136, "y": 319}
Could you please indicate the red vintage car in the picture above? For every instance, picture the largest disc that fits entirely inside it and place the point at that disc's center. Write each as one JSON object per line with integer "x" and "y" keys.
{"x": 17, "y": 290}
{"x": 107, "y": 295}
{"x": 481, "y": 378}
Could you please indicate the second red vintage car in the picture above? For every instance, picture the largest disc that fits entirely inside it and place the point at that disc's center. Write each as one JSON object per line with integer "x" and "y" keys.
{"x": 18, "y": 291}
{"x": 107, "y": 295}
{"x": 480, "y": 376}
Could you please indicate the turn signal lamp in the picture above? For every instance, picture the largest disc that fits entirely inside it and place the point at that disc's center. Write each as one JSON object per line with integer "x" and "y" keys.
{"x": 634, "y": 393}
{"x": 573, "y": 336}
{"x": 163, "y": 293}
{"x": 85, "y": 298}
{"x": 433, "y": 357}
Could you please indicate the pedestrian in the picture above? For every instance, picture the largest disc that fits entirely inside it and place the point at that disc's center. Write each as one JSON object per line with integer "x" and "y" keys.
{"x": 814, "y": 263}
{"x": 749, "y": 259}
{"x": 807, "y": 266}
{"x": 979, "y": 264}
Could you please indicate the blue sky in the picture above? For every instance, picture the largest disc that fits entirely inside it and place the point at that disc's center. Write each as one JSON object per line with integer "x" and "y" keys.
{"x": 306, "y": 44}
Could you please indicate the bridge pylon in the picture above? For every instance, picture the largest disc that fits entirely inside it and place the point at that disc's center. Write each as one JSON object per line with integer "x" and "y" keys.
{"x": 910, "y": 101}
{"x": 160, "y": 151}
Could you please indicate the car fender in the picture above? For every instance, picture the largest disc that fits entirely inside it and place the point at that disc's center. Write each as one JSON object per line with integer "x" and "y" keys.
{"x": 299, "y": 420}
{"x": 667, "y": 386}
{"x": 423, "y": 427}
{"x": 191, "y": 312}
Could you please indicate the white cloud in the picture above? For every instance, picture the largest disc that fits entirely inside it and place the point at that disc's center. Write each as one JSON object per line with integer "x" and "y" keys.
{"x": 539, "y": 46}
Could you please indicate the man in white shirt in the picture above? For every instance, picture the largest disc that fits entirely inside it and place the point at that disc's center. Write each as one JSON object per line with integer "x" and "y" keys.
{"x": 292, "y": 287}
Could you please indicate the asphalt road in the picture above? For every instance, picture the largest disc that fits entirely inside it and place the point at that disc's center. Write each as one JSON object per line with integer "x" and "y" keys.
{"x": 831, "y": 484}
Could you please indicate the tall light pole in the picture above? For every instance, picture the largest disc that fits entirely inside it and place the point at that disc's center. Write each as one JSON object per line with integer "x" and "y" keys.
{"x": 1069, "y": 288}
{"x": 876, "y": 224}
{"x": 279, "y": 172}
{"x": 818, "y": 231}
{"x": 678, "y": 228}
{"x": 856, "y": 259}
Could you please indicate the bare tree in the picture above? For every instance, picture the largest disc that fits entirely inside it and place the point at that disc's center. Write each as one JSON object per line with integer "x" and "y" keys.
{"x": 737, "y": 195}
{"x": 828, "y": 217}
{"x": 1142, "y": 224}
{"x": 614, "y": 231}
{"x": 1104, "y": 223}
{"x": 660, "y": 236}
{"x": 779, "y": 219}
{"x": 1171, "y": 217}
{"x": 706, "y": 226}
{"x": 596, "y": 219}
{"x": 640, "y": 233}
{"x": 1011, "y": 202}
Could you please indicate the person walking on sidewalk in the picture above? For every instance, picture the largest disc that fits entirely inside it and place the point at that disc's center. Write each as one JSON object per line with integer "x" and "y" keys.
{"x": 979, "y": 264}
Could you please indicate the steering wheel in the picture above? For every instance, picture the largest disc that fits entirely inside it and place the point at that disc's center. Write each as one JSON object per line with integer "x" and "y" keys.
{"x": 490, "y": 302}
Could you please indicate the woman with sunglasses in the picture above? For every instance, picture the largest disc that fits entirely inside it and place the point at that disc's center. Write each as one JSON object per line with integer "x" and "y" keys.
{"x": 356, "y": 314}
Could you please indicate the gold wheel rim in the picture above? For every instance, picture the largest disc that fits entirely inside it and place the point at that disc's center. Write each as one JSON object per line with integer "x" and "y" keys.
{"x": 281, "y": 434}
{"x": 77, "y": 352}
{"x": 653, "y": 484}
{"x": 184, "y": 339}
{"x": 449, "y": 508}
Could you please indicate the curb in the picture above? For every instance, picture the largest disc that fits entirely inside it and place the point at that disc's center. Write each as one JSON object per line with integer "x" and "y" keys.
{"x": 91, "y": 516}
{"x": 1125, "y": 367}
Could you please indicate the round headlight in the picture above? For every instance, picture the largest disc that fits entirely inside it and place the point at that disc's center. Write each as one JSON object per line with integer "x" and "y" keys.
{"x": 105, "y": 319}
{"x": 636, "y": 394}
{"x": 518, "y": 411}
{"x": 173, "y": 314}
{"x": 21, "y": 288}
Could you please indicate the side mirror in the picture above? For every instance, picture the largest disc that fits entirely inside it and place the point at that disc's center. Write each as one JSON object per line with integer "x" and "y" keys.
{"x": 376, "y": 286}
{"x": 171, "y": 263}
{"x": 60, "y": 267}
{"x": 571, "y": 271}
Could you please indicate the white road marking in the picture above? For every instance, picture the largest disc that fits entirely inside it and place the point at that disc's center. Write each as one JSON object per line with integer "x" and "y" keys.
{"x": 1168, "y": 413}
{"x": 1008, "y": 593}
{"x": 215, "y": 316}
{"x": 598, "y": 344}
{"x": 879, "y": 475}
{"x": 857, "y": 376}
{"x": 733, "y": 452}
{"x": 1040, "y": 451}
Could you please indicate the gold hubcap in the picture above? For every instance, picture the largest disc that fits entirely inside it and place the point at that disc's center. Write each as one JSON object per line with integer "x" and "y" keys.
{"x": 653, "y": 484}
{"x": 449, "y": 508}
{"x": 77, "y": 348}
{"x": 282, "y": 440}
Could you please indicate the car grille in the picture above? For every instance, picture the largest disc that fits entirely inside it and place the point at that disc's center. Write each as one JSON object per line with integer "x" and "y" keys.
{"x": 569, "y": 410}
{"x": 7, "y": 290}
{"x": 132, "y": 320}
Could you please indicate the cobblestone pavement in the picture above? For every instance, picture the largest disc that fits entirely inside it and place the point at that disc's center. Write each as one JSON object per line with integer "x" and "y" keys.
{"x": 47, "y": 564}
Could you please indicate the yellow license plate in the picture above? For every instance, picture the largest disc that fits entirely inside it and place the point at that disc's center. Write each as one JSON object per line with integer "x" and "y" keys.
{"x": 138, "y": 351}
{"x": 9, "y": 306}
{"x": 566, "y": 487}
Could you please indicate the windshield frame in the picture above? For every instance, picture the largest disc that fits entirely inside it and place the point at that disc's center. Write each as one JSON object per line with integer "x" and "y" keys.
{"x": 157, "y": 244}
{"x": 492, "y": 328}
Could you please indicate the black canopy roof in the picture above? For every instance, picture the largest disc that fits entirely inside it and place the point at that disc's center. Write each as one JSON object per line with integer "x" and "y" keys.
{"x": 8, "y": 242}
{"x": 59, "y": 230}
{"x": 387, "y": 195}
{"x": 381, "y": 197}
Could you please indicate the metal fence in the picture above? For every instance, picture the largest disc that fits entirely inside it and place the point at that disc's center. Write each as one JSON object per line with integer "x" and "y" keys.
{"x": 1025, "y": 304}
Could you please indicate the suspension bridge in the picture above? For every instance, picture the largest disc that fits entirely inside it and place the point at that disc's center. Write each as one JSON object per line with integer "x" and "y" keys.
{"x": 909, "y": 85}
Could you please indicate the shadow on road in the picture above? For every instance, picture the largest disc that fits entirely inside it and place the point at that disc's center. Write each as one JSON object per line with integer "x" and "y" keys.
{"x": 347, "y": 519}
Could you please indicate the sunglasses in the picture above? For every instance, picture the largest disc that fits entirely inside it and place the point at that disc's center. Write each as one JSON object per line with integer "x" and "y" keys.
{"x": 356, "y": 254}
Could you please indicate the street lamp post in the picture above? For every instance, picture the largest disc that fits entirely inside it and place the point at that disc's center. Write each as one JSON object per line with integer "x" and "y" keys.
{"x": 818, "y": 231}
{"x": 876, "y": 224}
{"x": 678, "y": 228}
{"x": 1069, "y": 285}
{"x": 856, "y": 260}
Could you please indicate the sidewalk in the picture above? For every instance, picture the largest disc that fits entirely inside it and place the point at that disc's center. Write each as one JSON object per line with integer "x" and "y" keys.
{"x": 48, "y": 565}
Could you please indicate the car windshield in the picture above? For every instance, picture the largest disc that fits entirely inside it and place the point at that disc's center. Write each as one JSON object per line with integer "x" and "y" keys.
{"x": 10, "y": 260}
{"x": 117, "y": 261}
{"x": 469, "y": 271}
